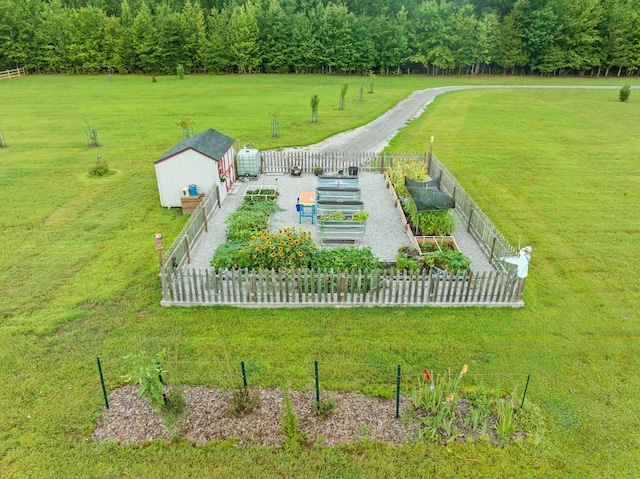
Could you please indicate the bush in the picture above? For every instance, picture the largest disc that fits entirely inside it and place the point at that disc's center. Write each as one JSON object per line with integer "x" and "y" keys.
{"x": 625, "y": 91}
{"x": 101, "y": 168}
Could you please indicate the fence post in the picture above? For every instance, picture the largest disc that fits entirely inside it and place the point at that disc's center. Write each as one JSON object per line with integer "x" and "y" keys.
{"x": 315, "y": 369}
{"x": 469, "y": 222}
{"x": 398, "y": 393}
{"x": 104, "y": 389}
{"x": 204, "y": 214}
{"x": 493, "y": 245}
{"x": 526, "y": 386}
{"x": 186, "y": 240}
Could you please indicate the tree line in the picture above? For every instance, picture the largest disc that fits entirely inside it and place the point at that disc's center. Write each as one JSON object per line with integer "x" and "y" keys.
{"x": 550, "y": 37}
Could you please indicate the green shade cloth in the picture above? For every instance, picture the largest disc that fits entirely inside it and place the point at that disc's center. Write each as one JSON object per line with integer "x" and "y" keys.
{"x": 427, "y": 196}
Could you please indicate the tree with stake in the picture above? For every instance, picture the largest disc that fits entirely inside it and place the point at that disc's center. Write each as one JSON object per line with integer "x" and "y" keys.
{"x": 315, "y": 101}
{"x": 343, "y": 93}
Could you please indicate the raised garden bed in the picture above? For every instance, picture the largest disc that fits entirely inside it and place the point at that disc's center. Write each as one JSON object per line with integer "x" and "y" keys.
{"x": 325, "y": 193}
{"x": 349, "y": 208}
{"x": 336, "y": 231}
{"x": 432, "y": 244}
{"x": 338, "y": 181}
{"x": 262, "y": 192}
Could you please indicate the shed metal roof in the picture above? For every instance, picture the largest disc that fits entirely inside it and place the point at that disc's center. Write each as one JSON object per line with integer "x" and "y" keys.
{"x": 210, "y": 143}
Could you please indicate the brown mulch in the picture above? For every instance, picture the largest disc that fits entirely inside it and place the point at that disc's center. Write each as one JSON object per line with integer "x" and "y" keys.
{"x": 207, "y": 416}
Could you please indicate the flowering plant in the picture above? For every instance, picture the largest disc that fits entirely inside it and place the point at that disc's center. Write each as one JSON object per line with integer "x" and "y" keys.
{"x": 286, "y": 249}
{"x": 223, "y": 177}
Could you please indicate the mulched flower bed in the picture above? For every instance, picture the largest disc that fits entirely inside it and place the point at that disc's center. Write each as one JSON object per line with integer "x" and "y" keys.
{"x": 207, "y": 417}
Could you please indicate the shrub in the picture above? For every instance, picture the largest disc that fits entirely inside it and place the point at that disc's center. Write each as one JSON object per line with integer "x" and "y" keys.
{"x": 148, "y": 374}
{"x": 101, "y": 168}
{"x": 625, "y": 92}
{"x": 180, "y": 71}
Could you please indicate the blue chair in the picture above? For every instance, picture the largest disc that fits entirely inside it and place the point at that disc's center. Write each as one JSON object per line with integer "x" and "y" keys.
{"x": 306, "y": 211}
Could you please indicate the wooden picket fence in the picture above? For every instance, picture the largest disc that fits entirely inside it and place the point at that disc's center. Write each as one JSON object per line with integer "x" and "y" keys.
{"x": 306, "y": 287}
{"x": 281, "y": 162}
{"x": 16, "y": 72}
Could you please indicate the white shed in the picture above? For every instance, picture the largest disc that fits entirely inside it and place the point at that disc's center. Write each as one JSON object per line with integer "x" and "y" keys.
{"x": 204, "y": 160}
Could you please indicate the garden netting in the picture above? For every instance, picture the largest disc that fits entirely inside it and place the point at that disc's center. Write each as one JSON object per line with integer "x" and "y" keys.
{"x": 427, "y": 195}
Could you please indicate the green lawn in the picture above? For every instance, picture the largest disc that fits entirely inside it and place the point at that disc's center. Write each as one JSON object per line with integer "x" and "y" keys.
{"x": 78, "y": 275}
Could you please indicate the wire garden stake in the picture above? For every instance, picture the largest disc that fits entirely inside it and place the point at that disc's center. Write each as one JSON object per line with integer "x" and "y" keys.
{"x": 525, "y": 391}
{"x": 398, "y": 393}
{"x": 244, "y": 377}
{"x": 104, "y": 389}
{"x": 315, "y": 368}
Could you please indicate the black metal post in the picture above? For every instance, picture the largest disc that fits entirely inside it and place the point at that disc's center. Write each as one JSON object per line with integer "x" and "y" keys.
{"x": 526, "y": 386}
{"x": 104, "y": 389}
{"x": 398, "y": 393}
{"x": 315, "y": 367}
{"x": 244, "y": 376}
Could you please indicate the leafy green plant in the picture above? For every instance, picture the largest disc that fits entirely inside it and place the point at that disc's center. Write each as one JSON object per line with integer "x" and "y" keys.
{"x": 180, "y": 71}
{"x": 625, "y": 92}
{"x": 243, "y": 402}
{"x": 432, "y": 223}
{"x": 408, "y": 263}
{"x": 453, "y": 261}
{"x": 294, "y": 438}
{"x": 332, "y": 216}
{"x": 232, "y": 255}
{"x": 360, "y": 216}
{"x": 101, "y": 168}
{"x": 147, "y": 373}
{"x": 506, "y": 426}
{"x": 323, "y": 408}
{"x": 344, "y": 258}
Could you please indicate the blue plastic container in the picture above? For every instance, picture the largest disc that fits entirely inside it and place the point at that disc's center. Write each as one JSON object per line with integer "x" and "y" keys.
{"x": 193, "y": 190}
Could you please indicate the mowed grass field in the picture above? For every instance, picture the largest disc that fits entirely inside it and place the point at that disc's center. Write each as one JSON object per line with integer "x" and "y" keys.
{"x": 78, "y": 275}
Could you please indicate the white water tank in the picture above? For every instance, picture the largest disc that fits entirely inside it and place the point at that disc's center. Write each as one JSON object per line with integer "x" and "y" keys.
{"x": 248, "y": 162}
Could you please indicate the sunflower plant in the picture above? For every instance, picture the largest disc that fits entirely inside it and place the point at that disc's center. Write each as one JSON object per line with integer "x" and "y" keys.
{"x": 287, "y": 249}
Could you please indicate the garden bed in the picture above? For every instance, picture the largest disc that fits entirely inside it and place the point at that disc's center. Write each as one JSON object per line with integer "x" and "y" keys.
{"x": 207, "y": 416}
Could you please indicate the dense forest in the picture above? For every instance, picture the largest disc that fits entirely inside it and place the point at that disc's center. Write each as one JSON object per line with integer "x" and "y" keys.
{"x": 549, "y": 37}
